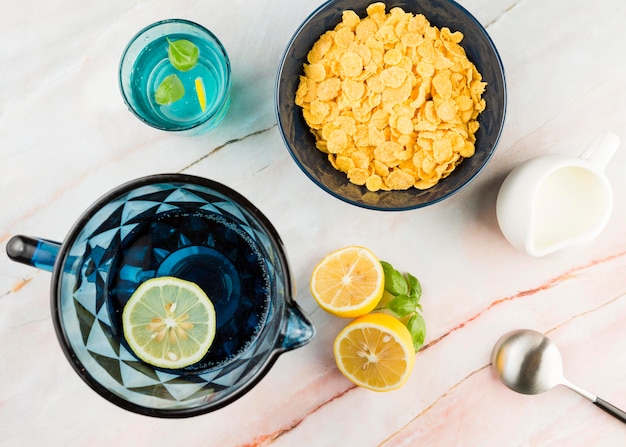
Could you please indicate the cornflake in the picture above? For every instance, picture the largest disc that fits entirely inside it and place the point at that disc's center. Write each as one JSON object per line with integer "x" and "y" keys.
{"x": 392, "y": 100}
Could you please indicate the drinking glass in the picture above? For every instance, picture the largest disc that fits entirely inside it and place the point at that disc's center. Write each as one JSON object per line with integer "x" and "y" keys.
{"x": 197, "y": 95}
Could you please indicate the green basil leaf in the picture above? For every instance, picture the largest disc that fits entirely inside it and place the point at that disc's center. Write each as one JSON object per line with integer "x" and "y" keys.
{"x": 183, "y": 54}
{"x": 415, "y": 286}
{"x": 394, "y": 281}
{"x": 384, "y": 301}
{"x": 417, "y": 328}
{"x": 170, "y": 90}
{"x": 402, "y": 305}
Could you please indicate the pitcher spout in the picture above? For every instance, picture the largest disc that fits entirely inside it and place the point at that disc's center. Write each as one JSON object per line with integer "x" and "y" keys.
{"x": 298, "y": 330}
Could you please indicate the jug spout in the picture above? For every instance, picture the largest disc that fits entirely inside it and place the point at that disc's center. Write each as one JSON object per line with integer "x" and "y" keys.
{"x": 298, "y": 330}
{"x": 35, "y": 252}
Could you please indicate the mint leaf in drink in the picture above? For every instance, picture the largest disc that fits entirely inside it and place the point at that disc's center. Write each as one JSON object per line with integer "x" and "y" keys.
{"x": 183, "y": 54}
{"x": 170, "y": 90}
{"x": 394, "y": 281}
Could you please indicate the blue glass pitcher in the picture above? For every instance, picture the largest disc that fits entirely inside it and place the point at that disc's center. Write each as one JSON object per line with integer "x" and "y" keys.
{"x": 170, "y": 225}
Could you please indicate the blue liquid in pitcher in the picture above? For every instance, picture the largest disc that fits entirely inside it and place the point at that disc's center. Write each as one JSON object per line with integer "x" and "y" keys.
{"x": 211, "y": 251}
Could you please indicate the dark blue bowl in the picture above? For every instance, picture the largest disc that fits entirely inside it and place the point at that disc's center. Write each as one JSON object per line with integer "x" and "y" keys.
{"x": 301, "y": 142}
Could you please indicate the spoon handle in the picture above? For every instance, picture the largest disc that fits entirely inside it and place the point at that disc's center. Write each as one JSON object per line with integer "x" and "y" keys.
{"x": 611, "y": 409}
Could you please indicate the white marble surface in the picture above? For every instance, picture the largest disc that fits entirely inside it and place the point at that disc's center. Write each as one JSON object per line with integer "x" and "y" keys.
{"x": 66, "y": 138}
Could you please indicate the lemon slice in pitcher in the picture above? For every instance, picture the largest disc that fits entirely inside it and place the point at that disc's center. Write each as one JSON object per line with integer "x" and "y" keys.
{"x": 169, "y": 322}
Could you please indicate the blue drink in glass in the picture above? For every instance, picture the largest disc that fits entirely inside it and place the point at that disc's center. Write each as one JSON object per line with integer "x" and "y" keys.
{"x": 146, "y": 64}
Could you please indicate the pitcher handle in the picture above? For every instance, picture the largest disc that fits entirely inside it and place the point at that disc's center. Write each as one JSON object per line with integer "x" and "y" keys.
{"x": 40, "y": 253}
{"x": 601, "y": 149}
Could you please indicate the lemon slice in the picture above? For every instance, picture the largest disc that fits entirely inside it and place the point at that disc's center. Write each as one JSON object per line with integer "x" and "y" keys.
{"x": 169, "y": 322}
{"x": 375, "y": 351}
{"x": 348, "y": 282}
{"x": 201, "y": 92}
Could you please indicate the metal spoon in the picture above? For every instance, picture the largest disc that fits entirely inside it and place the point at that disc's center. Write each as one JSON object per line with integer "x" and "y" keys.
{"x": 530, "y": 363}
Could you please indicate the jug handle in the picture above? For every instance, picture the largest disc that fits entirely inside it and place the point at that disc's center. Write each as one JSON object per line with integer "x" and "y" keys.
{"x": 40, "y": 253}
{"x": 298, "y": 330}
{"x": 601, "y": 149}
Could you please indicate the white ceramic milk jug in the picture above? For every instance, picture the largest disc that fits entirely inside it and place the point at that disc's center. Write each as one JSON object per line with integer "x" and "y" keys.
{"x": 554, "y": 202}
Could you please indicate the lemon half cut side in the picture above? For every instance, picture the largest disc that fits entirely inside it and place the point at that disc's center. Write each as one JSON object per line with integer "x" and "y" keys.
{"x": 348, "y": 282}
{"x": 376, "y": 352}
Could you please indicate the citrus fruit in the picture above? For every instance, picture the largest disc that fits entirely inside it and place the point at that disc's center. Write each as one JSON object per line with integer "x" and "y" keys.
{"x": 348, "y": 282}
{"x": 375, "y": 351}
{"x": 201, "y": 93}
{"x": 169, "y": 322}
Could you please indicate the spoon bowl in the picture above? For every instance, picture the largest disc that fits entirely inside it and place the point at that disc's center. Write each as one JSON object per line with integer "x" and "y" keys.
{"x": 528, "y": 362}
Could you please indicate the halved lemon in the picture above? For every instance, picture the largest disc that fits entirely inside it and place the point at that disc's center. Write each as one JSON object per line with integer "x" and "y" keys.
{"x": 348, "y": 282}
{"x": 169, "y": 322}
{"x": 375, "y": 351}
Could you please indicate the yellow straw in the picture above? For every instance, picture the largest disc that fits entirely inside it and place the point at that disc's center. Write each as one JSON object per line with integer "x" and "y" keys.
{"x": 201, "y": 93}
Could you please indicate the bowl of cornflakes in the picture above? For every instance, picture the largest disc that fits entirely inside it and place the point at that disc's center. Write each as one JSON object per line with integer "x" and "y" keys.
{"x": 391, "y": 106}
